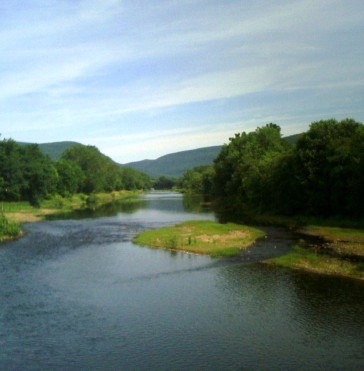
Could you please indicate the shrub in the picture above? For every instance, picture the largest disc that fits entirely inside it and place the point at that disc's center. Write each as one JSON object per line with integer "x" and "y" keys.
{"x": 7, "y": 228}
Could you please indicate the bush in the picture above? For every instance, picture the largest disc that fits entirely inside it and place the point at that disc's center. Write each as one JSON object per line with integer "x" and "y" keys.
{"x": 7, "y": 228}
{"x": 91, "y": 201}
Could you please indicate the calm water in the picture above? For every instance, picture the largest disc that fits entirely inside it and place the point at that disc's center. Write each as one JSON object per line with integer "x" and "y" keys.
{"x": 77, "y": 294}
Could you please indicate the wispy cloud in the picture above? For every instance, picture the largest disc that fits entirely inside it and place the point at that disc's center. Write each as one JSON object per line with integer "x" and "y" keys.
{"x": 82, "y": 68}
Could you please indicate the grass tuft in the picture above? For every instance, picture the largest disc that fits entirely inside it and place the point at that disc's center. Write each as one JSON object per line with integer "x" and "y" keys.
{"x": 8, "y": 229}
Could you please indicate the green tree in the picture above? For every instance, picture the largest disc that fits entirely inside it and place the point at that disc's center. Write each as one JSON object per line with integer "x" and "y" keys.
{"x": 101, "y": 174}
{"x": 94, "y": 166}
{"x": 164, "y": 182}
{"x": 198, "y": 180}
{"x": 11, "y": 172}
{"x": 243, "y": 167}
{"x": 70, "y": 177}
{"x": 39, "y": 173}
{"x": 330, "y": 167}
{"x": 132, "y": 179}
{"x": 25, "y": 173}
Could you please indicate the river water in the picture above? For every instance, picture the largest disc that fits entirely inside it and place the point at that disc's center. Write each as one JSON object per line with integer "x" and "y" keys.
{"x": 77, "y": 294}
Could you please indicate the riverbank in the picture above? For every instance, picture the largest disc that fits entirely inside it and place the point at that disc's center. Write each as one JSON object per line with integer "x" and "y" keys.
{"x": 201, "y": 237}
{"x": 13, "y": 214}
{"x": 328, "y": 246}
{"x": 337, "y": 251}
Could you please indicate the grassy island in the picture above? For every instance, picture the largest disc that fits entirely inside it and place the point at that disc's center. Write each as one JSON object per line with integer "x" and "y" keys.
{"x": 201, "y": 237}
{"x": 341, "y": 252}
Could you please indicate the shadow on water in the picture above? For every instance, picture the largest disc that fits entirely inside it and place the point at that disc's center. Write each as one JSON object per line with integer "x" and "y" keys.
{"x": 276, "y": 242}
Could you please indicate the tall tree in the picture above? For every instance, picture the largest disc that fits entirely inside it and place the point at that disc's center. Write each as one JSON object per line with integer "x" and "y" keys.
{"x": 94, "y": 165}
{"x": 70, "y": 177}
{"x": 330, "y": 167}
{"x": 243, "y": 167}
{"x": 11, "y": 173}
{"x": 39, "y": 173}
{"x": 198, "y": 180}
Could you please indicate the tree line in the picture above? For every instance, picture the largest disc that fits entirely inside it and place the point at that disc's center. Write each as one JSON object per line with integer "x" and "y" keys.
{"x": 27, "y": 174}
{"x": 322, "y": 174}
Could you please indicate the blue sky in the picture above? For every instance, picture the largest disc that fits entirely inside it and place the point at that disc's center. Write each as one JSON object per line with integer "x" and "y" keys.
{"x": 140, "y": 79}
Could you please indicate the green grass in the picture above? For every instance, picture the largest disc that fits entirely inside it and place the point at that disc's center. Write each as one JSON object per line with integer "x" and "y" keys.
{"x": 347, "y": 244}
{"x": 201, "y": 237}
{"x": 22, "y": 212}
{"x": 11, "y": 207}
{"x": 14, "y": 213}
{"x": 344, "y": 241}
{"x": 8, "y": 229}
{"x": 301, "y": 258}
{"x": 336, "y": 233}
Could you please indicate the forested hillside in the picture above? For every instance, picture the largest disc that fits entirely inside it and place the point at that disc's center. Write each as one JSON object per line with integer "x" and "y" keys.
{"x": 28, "y": 174}
{"x": 175, "y": 164}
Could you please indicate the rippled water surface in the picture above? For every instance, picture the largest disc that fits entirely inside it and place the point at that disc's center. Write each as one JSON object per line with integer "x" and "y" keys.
{"x": 78, "y": 294}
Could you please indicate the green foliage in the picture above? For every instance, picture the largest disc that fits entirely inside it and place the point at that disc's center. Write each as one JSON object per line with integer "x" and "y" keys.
{"x": 12, "y": 179}
{"x": 71, "y": 177}
{"x": 53, "y": 150}
{"x": 330, "y": 168}
{"x": 303, "y": 258}
{"x": 25, "y": 173}
{"x": 243, "y": 167}
{"x": 176, "y": 164}
{"x": 322, "y": 175}
{"x": 7, "y": 228}
{"x": 39, "y": 173}
{"x": 292, "y": 139}
{"x": 199, "y": 180}
{"x": 132, "y": 179}
{"x": 91, "y": 201}
{"x": 101, "y": 174}
{"x": 58, "y": 201}
{"x": 94, "y": 165}
{"x": 164, "y": 182}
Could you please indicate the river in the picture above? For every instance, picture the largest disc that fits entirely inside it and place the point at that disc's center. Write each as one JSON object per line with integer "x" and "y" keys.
{"x": 77, "y": 294}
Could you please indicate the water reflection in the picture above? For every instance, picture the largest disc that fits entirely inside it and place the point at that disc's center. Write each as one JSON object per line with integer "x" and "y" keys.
{"x": 128, "y": 206}
{"x": 196, "y": 203}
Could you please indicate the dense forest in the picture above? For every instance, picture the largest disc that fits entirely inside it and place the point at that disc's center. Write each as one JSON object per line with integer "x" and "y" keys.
{"x": 322, "y": 174}
{"x": 27, "y": 174}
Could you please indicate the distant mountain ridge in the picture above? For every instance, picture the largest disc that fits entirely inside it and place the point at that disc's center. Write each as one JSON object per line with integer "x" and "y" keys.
{"x": 170, "y": 165}
{"x": 175, "y": 164}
